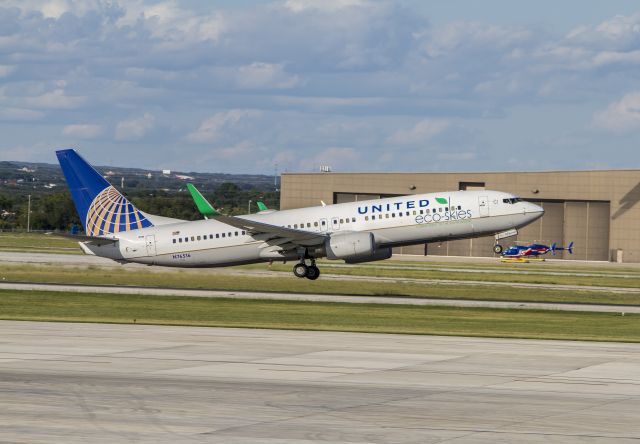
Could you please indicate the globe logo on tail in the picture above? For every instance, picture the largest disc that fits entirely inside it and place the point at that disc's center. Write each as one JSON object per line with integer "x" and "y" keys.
{"x": 111, "y": 212}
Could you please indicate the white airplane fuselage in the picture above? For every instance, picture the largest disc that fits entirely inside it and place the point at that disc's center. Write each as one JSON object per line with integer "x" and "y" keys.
{"x": 393, "y": 222}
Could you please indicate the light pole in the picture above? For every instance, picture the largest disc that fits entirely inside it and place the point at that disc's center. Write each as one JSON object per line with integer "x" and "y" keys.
{"x": 249, "y": 206}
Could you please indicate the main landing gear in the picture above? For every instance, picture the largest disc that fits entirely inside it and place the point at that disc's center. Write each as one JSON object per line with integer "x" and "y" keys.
{"x": 303, "y": 270}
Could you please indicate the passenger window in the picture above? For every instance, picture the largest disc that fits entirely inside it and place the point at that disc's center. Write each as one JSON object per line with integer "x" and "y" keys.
{"x": 229, "y": 233}
{"x": 387, "y": 215}
{"x": 459, "y": 207}
{"x": 414, "y": 212}
{"x": 244, "y": 232}
{"x": 422, "y": 211}
{"x": 217, "y": 235}
{"x": 236, "y": 233}
{"x": 186, "y": 239}
{"x": 295, "y": 225}
{"x": 222, "y": 234}
{"x": 315, "y": 224}
{"x": 393, "y": 214}
{"x": 341, "y": 221}
{"x": 199, "y": 238}
{"x": 324, "y": 223}
{"x": 353, "y": 219}
{"x": 180, "y": 240}
{"x": 367, "y": 217}
{"x": 446, "y": 209}
{"x": 440, "y": 209}
{"x": 308, "y": 224}
{"x": 372, "y": 217}
{"x": 174, "y": 241}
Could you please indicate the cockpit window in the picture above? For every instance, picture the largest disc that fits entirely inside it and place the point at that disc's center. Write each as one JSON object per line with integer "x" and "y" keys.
{"x": 512, "y": 200}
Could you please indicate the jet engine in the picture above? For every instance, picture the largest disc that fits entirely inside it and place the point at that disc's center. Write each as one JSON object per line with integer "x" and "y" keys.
{"x": 349, "y": 245}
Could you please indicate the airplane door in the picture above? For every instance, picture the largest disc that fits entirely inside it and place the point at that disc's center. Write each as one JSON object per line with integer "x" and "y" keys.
{"x": 323, "y": 225}
{"x": 151, "y": 245}
{"x": 335, "y": 223}
{"x": 483, "y": 203}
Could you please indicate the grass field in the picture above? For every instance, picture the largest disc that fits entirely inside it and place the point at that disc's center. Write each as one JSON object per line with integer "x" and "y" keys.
{"x": 75, "y": 307}
{"x": 37, "y": 242}
{"x": 203, "y": 279}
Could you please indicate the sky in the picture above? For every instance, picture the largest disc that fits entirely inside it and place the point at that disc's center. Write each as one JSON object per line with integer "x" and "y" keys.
{"x": 250, "y": 86}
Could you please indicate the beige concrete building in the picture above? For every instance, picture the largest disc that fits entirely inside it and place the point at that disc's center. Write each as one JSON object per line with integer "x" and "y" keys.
{"x": 597, "y": 210}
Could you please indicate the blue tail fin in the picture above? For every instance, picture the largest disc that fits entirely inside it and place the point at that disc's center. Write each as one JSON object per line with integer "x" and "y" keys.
{"x": 102, "y": 209}
{"x": 570, "y": 247}
{"x": 553, "y": 248}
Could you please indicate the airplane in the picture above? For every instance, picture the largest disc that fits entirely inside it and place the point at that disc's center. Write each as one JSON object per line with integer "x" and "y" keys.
{"x": 534, "y": 250}
{"x": 354, "y": 232}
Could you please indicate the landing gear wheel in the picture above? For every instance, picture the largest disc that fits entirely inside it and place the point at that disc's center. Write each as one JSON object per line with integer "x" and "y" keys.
{"x": 497, "y": 249}
{"x": 313, "y": 272}
{"x": 300, "y": 270}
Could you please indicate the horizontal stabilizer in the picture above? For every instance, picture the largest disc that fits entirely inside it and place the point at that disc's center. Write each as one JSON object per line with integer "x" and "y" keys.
{"x": 94, "y": 240}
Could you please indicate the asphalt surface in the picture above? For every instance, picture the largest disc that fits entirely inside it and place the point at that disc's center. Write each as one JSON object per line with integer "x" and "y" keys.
{"x": 104, "y": 289}
{"x": 97, "y": 383}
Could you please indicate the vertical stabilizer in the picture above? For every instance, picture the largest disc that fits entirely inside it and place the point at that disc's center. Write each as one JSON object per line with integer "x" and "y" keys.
{"x": 102, "y": 209}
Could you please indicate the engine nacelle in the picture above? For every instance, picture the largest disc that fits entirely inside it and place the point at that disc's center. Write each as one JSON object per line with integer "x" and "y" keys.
{"x": 349, "y": 245}
{"x": 378, "y": 255}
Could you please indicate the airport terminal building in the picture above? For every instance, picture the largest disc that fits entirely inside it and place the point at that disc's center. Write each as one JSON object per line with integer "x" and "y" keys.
{"x": 597, "y": 210}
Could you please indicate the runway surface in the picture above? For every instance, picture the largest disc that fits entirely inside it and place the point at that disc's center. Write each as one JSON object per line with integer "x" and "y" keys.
{"x": 106, "y": 289}
{"x": 79, "y": 383}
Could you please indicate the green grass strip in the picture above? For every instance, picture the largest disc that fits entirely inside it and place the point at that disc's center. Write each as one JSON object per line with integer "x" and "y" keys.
{"x": 204, "y": 279}
{"x": 372, "y": 318}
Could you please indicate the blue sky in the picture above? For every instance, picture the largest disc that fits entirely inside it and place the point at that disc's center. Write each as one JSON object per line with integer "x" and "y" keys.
{"x": 238, "y": 86}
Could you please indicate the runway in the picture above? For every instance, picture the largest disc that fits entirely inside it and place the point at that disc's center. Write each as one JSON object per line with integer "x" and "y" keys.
{"x": 392, "y": 300}
{"x": 97, "y": 383}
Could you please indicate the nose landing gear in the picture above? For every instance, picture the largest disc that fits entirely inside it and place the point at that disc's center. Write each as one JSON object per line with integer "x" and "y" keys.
{"x": 497, "y": 249}
{"x": 303, "y": 270}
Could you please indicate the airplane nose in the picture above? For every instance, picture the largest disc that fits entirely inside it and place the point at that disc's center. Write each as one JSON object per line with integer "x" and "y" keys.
{"x": 534, "y": 210}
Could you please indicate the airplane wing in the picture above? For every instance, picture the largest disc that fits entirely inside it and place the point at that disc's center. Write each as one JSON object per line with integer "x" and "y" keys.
{"x": 274, "y": 232}
{"x": 94, "y": 240}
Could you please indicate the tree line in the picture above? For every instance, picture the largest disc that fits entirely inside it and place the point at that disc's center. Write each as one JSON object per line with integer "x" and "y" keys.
{"x": 56, "y": 211}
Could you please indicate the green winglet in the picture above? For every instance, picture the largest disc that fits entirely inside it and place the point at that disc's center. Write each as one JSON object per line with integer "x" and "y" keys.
{"x": 205, "y": 208}
{"x": 261, "y": 206}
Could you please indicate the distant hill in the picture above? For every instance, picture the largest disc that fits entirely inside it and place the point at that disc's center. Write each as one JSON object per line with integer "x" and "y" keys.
{"x": 29, "y": 177}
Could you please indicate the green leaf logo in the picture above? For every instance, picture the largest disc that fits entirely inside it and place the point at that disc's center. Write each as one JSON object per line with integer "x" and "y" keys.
{"x": 441, "y": 200}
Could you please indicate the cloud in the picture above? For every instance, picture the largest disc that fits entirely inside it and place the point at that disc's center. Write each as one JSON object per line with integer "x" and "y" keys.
{"x": 265, "y": 75}
{"x": 5, "y": 70}
{"x": 56, "y": 99}
{"x": 421, "y": 132}
{"x": 134, "y": 129}
{"x": 620, "y": 116}
{"x": 19, "y": 114}
{"x": 83, "y": 131}
{"x": 212, "y": 129}
{"x": 290, "y": 79}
